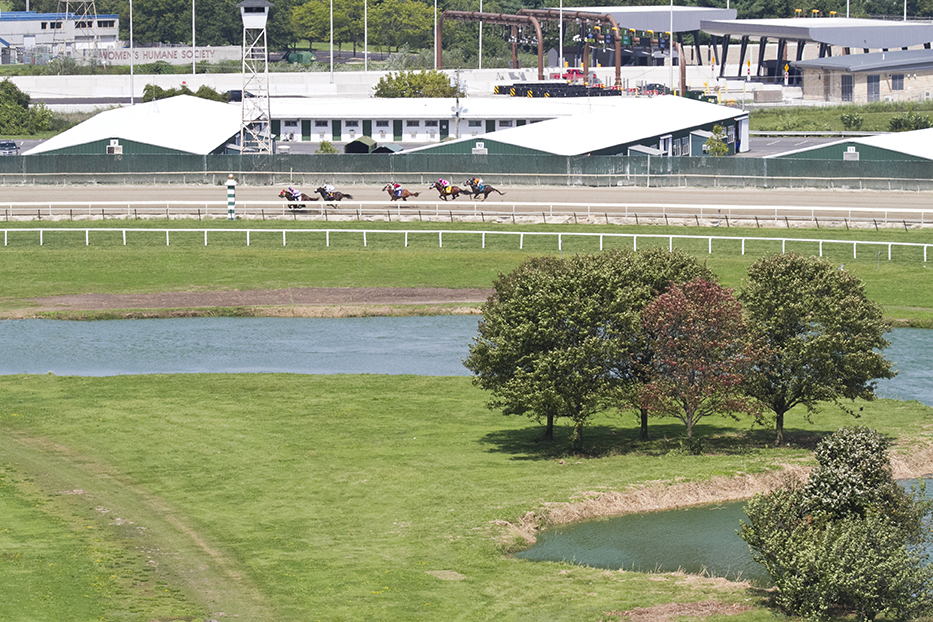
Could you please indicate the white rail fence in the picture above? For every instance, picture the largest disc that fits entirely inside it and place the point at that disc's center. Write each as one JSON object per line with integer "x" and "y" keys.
{"x": 521, "y": 235}
{"x": 626, "y": 213}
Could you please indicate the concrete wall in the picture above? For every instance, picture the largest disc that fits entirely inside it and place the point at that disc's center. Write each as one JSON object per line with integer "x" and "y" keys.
{"x": 826, "y": 86}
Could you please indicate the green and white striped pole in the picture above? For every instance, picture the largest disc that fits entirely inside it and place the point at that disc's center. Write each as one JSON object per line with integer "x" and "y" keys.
{"x": 231, "y": 198}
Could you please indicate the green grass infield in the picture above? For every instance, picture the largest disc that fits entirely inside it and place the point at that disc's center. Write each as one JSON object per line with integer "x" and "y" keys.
{"x": 279, "y": 497}
{"x": 71, "y": 260}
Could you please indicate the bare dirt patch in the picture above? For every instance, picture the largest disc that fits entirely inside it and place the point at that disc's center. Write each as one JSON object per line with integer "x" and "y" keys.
{"x": 291, "y": 302}
{"x": 671, "y": 611}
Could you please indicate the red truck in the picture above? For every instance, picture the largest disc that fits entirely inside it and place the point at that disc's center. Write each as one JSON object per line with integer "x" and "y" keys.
{"x": 574, "y": 75}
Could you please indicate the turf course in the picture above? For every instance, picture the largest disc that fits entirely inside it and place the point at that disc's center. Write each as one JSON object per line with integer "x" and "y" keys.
{"x": 65, "y": 265}
{"x": 281, "y": 497}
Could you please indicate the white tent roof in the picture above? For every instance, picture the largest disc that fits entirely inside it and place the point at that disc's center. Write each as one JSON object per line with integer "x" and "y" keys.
{"x": 632, "y": 120}
{"x": 492, "y": 107}
{"x": 918, "y": 143}
{"x": 185, "y": 123}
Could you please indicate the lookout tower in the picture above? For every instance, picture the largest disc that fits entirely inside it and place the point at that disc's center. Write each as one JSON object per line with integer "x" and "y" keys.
{"x": 256, "y": 126}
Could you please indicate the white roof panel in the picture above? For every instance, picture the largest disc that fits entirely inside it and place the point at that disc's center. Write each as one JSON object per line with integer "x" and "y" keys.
{"x": 184, "y": 123}
{"x": 633, "y": 120}
{"x": 840, "y": 31}
{"x": 658, "y": 18}
{"x": 918, "y": 143}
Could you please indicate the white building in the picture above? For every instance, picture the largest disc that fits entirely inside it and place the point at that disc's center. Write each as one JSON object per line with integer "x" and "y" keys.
{"x": 28, "y": 29}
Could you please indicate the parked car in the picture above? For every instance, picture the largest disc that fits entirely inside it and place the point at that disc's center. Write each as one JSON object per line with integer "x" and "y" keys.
{"x": 8, "y": 147}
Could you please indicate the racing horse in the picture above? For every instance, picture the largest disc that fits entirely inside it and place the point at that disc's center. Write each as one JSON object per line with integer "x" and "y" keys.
{"x": 400, "y": 193}
{"x": 449, "y": 191}
{"x": 332, "y": 196}
{"x": 298, "y": 197}
{"x": 484, "y": 190}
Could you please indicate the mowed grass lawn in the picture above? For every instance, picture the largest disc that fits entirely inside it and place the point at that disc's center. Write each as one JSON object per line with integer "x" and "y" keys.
{"x": 282, "y": 497}
{"x": 285, "y": 497}
{"x": 65, "y": 265}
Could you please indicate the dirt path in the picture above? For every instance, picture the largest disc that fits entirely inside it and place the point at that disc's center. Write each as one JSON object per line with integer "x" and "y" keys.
{"x": 292, "y": 302}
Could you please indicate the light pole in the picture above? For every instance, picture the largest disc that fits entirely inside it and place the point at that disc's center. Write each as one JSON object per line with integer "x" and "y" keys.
{"x": 132, "y": 53}
{"x": 481, "y": 36}
{"x": 193, "y": 70}
{"x": 670, "y": 46}
{"x": 332, "y": 41}
{"x": 365, "y": 36}
{"x": 560, "y": 44}
{"x": 435, "y": 35}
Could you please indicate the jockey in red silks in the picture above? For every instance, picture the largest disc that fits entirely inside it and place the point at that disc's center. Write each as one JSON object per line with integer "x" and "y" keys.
{"x": 397, "y": 189}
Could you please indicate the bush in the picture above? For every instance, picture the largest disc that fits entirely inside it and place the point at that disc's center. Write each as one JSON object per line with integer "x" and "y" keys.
{"x": 908, "y": 121}
{"x": 847, "y": 540}
{"x": 852, "y": 121}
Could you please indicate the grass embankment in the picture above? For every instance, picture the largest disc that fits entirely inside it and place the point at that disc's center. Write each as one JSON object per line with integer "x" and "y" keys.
{"x": 875, "y": 117}
{"x": 280, "y": 497}
{"x": 64, "y": 265}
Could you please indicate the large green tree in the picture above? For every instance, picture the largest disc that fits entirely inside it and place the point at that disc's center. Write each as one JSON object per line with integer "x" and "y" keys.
{"x": 821, "y": 331}
{"x": 847, "y": 541}
{"x": 561, "y": 337}
{"x": 424, "y": 83}
{"x": 551, "y": 338}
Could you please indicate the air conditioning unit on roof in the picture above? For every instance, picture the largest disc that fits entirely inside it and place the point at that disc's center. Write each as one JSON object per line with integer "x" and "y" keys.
{"x": 114, "y": 149}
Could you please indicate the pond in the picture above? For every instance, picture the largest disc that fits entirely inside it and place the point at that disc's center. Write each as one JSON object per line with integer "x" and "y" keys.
{"x": 427, "y": 346}
{"x": 698, "y": 539}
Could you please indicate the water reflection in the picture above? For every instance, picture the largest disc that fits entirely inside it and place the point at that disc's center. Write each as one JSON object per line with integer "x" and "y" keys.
{"x": 427, "y": 346}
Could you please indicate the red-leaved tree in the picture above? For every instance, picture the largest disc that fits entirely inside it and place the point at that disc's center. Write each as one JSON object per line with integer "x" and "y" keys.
{"x": 700, "y": 354}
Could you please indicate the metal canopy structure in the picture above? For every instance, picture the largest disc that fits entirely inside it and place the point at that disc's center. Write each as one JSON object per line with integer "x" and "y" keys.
{"x": 865, "y": 34}
{"x": 557, "y": 15}
{"x": 496, "y": 18}
{"x": 897, "y": 60}
{"x": 659, "y": 18}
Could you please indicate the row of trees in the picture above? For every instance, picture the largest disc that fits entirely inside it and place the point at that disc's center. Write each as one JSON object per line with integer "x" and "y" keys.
{"x": 17, "y": 117}
{"x": 391, "y": 22}
{"x": 653, "y": 332}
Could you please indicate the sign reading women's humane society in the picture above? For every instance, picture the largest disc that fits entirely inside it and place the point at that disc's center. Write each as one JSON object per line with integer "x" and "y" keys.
{"x": 172, "y": 56}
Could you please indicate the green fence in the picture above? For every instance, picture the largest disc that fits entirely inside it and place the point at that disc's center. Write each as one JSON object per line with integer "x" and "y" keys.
{"x": 419, "y": 168}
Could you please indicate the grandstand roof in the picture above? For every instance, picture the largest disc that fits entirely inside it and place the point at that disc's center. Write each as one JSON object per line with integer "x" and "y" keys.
{"x": 874, "y": 34}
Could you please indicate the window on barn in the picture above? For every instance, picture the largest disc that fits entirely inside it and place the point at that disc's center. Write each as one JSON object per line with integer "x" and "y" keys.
{"x": 321, "y": 124}
{"x": 430, "y": 123}
{"x": 412, "y": 123}
{"x": 897, "y": 82}
{"x": 352, "y": 124}
{"x": 382, "y": 124}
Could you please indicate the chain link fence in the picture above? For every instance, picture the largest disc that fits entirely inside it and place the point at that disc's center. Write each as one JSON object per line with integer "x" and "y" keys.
{"x": 420, "y": 168}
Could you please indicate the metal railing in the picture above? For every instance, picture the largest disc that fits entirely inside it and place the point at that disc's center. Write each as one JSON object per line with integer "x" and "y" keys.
{"x": 404, "y": 234}
{"x": 550, "y": 212}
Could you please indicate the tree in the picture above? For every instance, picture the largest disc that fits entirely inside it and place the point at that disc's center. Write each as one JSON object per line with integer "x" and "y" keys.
{"x": 551, "y": 338}
{"x": 701, "y": 354}
{"x": 17, "y": 117}
{"x": 650, "y": 272}
{"x": 152, "y": 92}
{"x": 716, "y": 144}
{"x": 421, "y": 84}
{"x": 402, "y": 22}
{"x": 847, "y": 540}
{"x": 822, "y": 335}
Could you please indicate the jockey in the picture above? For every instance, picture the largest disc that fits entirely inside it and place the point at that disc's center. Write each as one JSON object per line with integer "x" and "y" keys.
{"x": 329, "y": 189}
{"x": 443, "y": 183}
{"x": 295, "y": 194}
{"x": 397, "y": 189}
{"x": 478, "y": 183}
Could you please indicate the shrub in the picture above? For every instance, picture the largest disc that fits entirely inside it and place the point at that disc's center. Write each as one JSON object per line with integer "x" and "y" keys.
{"x": 852, "y": 121}
{"x": 847, "y": 540}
